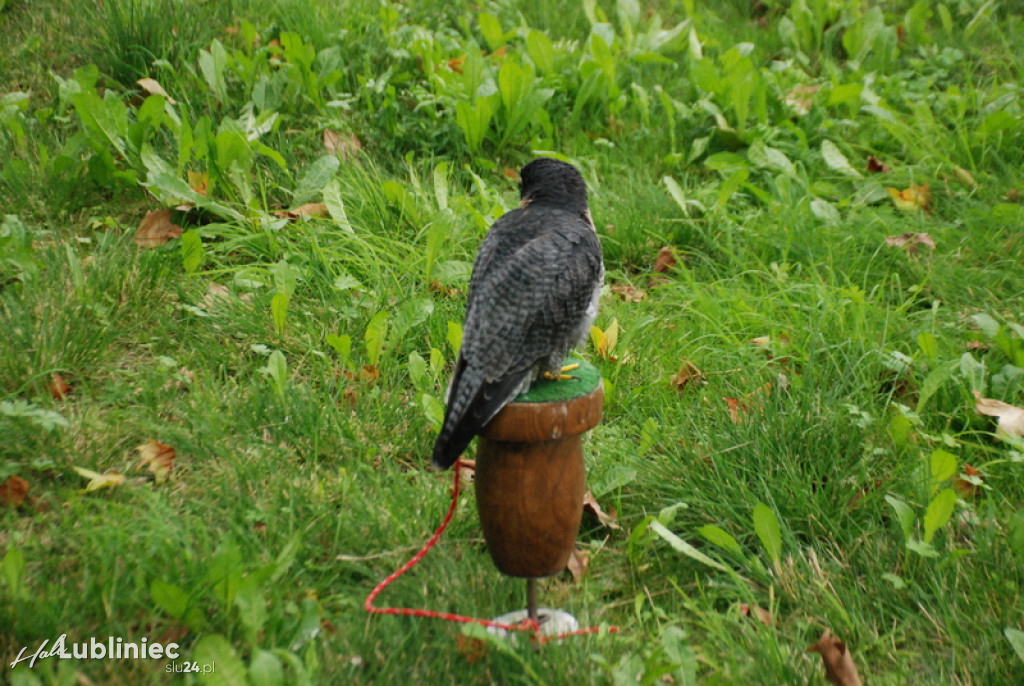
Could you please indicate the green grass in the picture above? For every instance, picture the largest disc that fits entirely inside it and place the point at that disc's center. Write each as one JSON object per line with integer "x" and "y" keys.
{"x": 297, "y": 368}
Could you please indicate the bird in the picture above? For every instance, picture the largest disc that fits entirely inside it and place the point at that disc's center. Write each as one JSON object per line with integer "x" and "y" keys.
{"x": 533, "y": 296}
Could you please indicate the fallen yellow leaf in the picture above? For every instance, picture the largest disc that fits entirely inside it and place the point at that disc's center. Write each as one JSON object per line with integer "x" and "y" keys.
{"x": 98, "y": 481}
{"x": 913, "y": 199}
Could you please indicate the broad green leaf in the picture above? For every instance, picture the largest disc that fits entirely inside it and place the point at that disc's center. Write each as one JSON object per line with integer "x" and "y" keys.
{"x": 836, "y": 160}
{"x": 440, "y": 178}
{"x": 229, "y": 669}
{"x": 277, "y": 370}
{"x": 973, "y": 371}
{"x": 265, "y": 669}
{"x": 315, "y": 178}
{"x": 336, "y": 206}
{"x": 436, "y": 235}
{"x": 473, "y": 119}
{"x": 921, "y": 548}
{"x": 279, "y": 310}
{"x": 212, "y": 64}
{"x": 433, "y": 409}
{"x": 928, "y": 344}
{"x": 14, "y": 571}
{"x": 987, "y": 323}
{"x": 731, "y": 185}
{"x": 940, "y": 509}
{"x": 286, "y": 277}
{"x": 342, "y": 345}
{"x": 936, "y": 378}
{"x": 107, "y": 117}
{"x": 679, "y": 195}
{"x": 612, "y": 480}
{"x": 766, "y": 526}
{"x": 169, "y": 598}
{"x": 376, "y": 332}
{"x": 417, "y": 368}
{"x": 491, "y": 30}
{"x": 825, "y": 211}
{"x": 411, "y": 314}
{"x": 904, "y": 513}
{"x": 541, "y": 51}
{"x": 685, "y": 548}
{"x": 766, "y": 157}
{"x": 454, "y": 336}
{"x": 1016, "y": 639}
{"x": 897, "y": 582}
{"x": 252, "y": 607}
{"x": 721, "y": 538}
{"x": 192, "y": 251}
{"x": 942, "y": 466}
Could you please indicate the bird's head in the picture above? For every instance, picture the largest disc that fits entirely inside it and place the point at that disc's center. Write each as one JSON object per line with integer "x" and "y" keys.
{"x": 551, "y": 181}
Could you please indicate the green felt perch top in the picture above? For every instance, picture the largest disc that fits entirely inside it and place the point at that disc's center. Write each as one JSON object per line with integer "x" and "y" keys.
{"x": 585, "y": 379}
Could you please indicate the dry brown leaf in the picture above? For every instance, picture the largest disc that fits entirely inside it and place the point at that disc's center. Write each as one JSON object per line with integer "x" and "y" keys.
{"x": 310, "y": 209}
{"x": 666, "y": 259}
{"x": 98, "y": 481}
{"x": 344, "y": 145}
{"x": 748, "y": 403}
{"x": 13, "y": 491}
{"x": 630, "y": 294}
{"x": 875, "y": 165}
{"x": 155, "y": 229}
{"x": 591, "y": 505}
{"x": 153, "y": 88}
{"x": 579, "y": 560}
{"x": 58, "y": 388}
{"x": 913, "y": 199}
{"x": 688, "y": 374}
{"x": 455, "y": 64}
{"x": 157, "y": 457}
{"x": 473, "y": 649}
{"x": 801, "y": 97}
{"x": 216, "y": 294}
{"x": 736, "y": 409}
{"x": 910, "y": 241}
{"x": 757, "y": 612}
{"x": 839, "y": 667}
{"x": 1010, "y": 417}
{"x": 976, "y": 345}
{"x": 966, "y": 484}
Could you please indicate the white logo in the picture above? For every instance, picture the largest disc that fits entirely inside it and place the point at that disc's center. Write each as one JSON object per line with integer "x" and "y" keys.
{"x": 97, "y": 650}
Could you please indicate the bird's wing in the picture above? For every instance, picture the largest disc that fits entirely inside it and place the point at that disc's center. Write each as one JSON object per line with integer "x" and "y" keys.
{"x": 532, "y": 284}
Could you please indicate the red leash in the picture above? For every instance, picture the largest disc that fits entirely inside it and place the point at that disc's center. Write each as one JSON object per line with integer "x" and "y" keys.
{"x": 526, "y": 625}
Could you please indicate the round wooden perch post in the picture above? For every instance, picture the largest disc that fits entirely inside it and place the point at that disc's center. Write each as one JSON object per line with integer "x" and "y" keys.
{"x": 530, "y": 474}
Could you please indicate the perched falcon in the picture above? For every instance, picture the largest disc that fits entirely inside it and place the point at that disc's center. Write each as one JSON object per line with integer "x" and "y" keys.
{"x": 532, "y": 297}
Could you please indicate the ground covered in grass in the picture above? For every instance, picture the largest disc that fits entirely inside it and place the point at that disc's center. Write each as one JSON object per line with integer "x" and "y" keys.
{"x": 234, "y": 254}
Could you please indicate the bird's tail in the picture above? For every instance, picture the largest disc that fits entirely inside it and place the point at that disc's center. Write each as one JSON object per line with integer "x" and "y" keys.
{"x": 470, "y": 407}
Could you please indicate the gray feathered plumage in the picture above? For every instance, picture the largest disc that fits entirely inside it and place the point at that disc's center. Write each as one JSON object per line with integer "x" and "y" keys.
{"x": 532, "y": 298}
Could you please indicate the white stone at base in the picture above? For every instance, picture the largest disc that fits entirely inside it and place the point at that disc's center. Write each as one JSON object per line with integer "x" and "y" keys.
{"x": 557, "y": 622}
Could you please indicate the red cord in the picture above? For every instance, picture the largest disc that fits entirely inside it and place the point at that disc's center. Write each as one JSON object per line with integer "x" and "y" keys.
{"x": 526, "y": 625}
